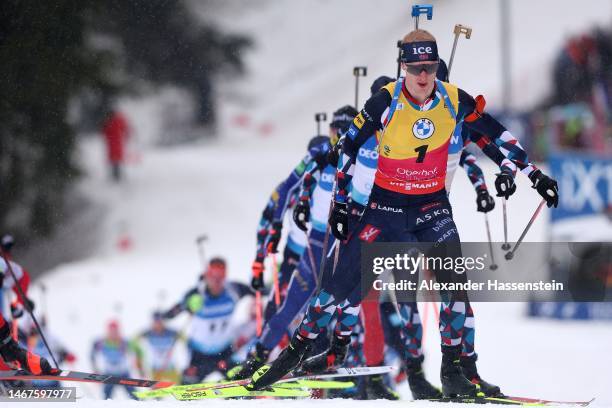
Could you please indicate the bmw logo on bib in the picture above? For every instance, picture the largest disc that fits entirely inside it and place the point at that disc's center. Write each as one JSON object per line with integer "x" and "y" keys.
{"x": 423, "y": 128}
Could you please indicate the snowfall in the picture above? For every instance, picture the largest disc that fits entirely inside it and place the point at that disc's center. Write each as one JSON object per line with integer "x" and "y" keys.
{"x": 145, "y": 228}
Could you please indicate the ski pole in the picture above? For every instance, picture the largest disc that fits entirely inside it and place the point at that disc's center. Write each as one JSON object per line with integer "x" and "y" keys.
{"x": 27, "y": 307}
{"x": 458, "y": 30}
{"x": 199, "y": 242}
{"x": 510, "y": 255}
{"x": 358, "y": 72}
{"x": 493, "y": 264}
{"x": 311, "y": 257}
{"x": 325, "y": 240}
{"x": 43, "y": 291}
{"x": 320, "y": 117}
{"x": 505, "y": 245}
{"x": 336, "y": 254}
{"x": 275, "y": 278}
{"x": 179, "y": 335}
{"x": 258, "y": 314}
{"x": 419, "y": 9}
{"x": 399, "y": 58}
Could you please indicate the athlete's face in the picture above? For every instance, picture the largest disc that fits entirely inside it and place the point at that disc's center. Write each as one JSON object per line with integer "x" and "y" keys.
{"x": 113, "y": 332}
{"x": 158, "y": 325}
{"x": 420, "y": 78}
{"x": 215, "y": 279}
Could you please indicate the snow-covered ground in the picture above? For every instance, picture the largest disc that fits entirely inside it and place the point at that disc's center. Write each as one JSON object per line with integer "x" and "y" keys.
{"x": 302, "y": 64}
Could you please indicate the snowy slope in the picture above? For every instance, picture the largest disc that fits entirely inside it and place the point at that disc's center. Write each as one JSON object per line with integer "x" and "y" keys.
{"x": 302, "y": 64}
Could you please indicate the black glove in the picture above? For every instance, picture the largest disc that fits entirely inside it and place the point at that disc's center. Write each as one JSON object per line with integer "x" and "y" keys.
{"x": 546, "y": 187}
{"x": 29, "y": 303}
{"x": 257, "y": 282}
{"x": 274, "y": 237}
{"x": 505, "y": 185}
{"x": 338, "y": 221}
{"x": 484, "y": 201}
{"x": 17, "y": 310}
{"x": 301, "y": 214}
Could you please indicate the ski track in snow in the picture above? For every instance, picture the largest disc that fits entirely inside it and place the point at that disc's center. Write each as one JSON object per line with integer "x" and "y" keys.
{"x": 177, "y": 193}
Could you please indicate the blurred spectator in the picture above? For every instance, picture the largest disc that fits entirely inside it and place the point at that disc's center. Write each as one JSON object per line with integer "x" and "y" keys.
{"x": 116, "y": 132}
{"x": 583, "y": 88}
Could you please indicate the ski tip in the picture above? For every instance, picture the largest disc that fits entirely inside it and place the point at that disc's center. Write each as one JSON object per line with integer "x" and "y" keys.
{"x": 163, "y": 384}
{"x": 588, "y": 402}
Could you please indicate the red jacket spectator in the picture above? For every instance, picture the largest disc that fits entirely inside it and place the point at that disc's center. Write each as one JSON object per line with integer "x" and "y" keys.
{"x": 116, "y": 131}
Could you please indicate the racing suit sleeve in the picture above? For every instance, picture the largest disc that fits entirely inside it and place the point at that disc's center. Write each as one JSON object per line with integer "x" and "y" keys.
{"x": 493, "y": 153}
{"x": 364, "y": 125}
{"x": 181, "y": 306}
{"x": 264, "y": 223}
{"x": 476, "y": 120}
{"x": 474, "y": 172}
{"x": 288, "y": 187}
{"x": 309, "y": 182}
{"x": 317, "y": 154}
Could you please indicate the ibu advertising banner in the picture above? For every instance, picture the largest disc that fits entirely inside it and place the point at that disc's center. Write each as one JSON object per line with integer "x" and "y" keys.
{"x": 585, "y": 184}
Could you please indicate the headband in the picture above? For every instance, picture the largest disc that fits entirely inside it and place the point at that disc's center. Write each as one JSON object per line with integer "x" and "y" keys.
{"x": 419, "y": 51}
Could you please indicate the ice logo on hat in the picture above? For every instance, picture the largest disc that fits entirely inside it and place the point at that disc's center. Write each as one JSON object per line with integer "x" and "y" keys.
{"x": 423, "y": 128}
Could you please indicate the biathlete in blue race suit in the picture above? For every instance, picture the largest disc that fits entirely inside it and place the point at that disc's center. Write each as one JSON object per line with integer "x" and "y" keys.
{"x": 314, "y": 179}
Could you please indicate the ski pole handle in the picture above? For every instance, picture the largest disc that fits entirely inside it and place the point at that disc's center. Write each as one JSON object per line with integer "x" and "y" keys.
{"x": 357, "y": 72}
{"x": 419, "y": 9}
{"x": 199, "y": 241}
{"x": 399, "y": 57}
{"x": 458, "y": 30}
{"x": 320, "y": 117}
{"x": 461, "y": 29}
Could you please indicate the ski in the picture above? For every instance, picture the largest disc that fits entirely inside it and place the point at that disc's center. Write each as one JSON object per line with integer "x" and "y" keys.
{"x": 510, "y": 400}
{"x": 316, "y": 384}
{"x": 78, "y": 376}
{"x": 240, "y": 392}
{"x": 536, "y": 401}
{"x": 298, "y": 384}
{"x": 340, "y": 372}
{"x": 162, "y": 392}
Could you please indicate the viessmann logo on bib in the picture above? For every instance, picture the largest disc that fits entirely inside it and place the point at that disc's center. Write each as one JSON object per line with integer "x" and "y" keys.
{"x": 423, "y": 128}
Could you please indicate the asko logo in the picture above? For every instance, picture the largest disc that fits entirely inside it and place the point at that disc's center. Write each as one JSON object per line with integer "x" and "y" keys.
{"x": 421, "y": 50}
{"x": 367, "y": 153}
